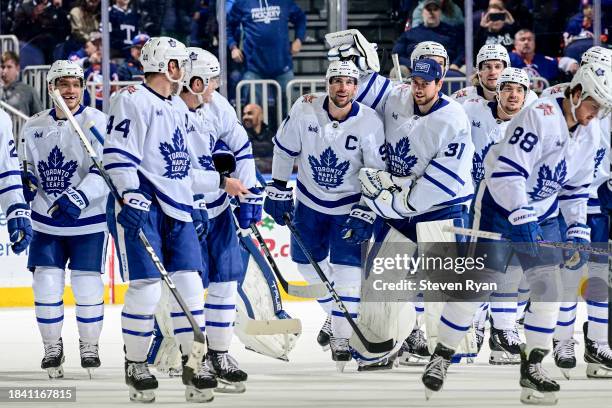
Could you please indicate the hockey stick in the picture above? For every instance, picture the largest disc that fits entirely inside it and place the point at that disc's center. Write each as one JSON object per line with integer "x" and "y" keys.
{"x": 372, "y": 347}
{"x": 396, "y": 65}
{"x": 199, "y": 341}
{"x": 21, "y": 146}
{"x": 547, "y": 244}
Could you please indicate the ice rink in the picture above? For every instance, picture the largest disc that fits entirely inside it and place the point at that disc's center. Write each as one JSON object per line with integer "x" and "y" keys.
{"x": 308, "y": 380}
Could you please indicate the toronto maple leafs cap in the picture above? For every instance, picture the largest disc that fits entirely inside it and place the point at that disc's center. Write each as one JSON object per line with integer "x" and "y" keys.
{"x": 427, "y": 69}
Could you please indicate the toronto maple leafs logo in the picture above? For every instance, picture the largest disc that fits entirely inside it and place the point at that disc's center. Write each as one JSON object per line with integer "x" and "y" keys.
{"x": 476, "y": 124}
{"x": 326, "y": 171}
{"x": 549, "y": 182}
{"x": 54, "y": 174}
{"x": 478, "y": 171}
{"x": 600, "y": 72}
{"x": 176, "y": 157}
{"x": 38, "y": 135}
{"x": 193, "y": 56}
{"x": 313, "y": 129}
{"x": 598, "y": 158}
{"x": 400, "y": 162}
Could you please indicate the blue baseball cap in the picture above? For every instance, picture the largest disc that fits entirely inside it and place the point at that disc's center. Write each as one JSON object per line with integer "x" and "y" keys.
{"x": 139, "y": 40}
{"x": 427, "y": 69}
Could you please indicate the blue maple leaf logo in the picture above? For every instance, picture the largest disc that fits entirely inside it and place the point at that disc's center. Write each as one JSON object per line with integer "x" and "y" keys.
{"x": 478, "y": 171}
{"x": 54, "y": 174}
{"x": 326, "y": 171}
{"x": 598, "y": 158}
{"x": 549, "y": 182}
{"x": 176, "y": 157}
{"x": 206, "y": 162}
{"x": 399, "y": 161}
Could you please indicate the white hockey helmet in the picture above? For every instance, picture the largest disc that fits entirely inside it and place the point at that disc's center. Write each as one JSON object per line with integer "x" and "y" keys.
{"x": 430, "y": 48}
{"x": 515, "y": 75}
{"x": 64, "y": 68}
{"x": 201, "y": 64}
{"x": 597, "y": 55}
{"x": 596, "y": 82}
{"x": 159, "y": 51}
{"x": 342, "y": 68}
{"x": 489, "y": 52}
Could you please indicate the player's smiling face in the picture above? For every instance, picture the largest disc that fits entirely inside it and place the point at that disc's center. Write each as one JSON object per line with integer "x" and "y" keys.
{"x": 489, "y": 73}
{"x": 424, "y": 91}
{"x": 342, "y": 90}
{"x": 512, "y": 97}
{"x": 71, "y": 90}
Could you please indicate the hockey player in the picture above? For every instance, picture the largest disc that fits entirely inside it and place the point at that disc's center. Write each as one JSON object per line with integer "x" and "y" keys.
{"x": 491, "y": 60}
{"x": 537, "y": 168}
{"x": 147, "y": 156}
{"x": 69, "y": 220}
{"x": 332, "y": 138}
{"x": 489, "y": 122}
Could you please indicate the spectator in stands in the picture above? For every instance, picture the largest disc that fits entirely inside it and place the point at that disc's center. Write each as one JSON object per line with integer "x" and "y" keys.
{"x": 93, "y": 74}
{"x": 266, "y": 50}
{"x": 451, "y": 14}
{"x": 580, "y": 25}
{"x": 84, "y": 18}
{"x": 124, "y": 25}
{"x": 204, "y": 26}
{"x": 260, "y": 135}
{"x": 131, "y": 69}
{"x": 151, "y": 15}
{"x": 525, "y": 56}
{"x": 91, "y": 47}
{"x": 497, "y": 26}
{"x": 42, "y": 24}
{"x": 19, "y": 95}
{"x": 432, "y": 30}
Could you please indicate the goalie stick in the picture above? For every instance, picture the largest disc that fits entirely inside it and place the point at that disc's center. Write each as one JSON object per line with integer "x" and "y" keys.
{"x": 199, "y": 341}
{"x": 372, "y": 347}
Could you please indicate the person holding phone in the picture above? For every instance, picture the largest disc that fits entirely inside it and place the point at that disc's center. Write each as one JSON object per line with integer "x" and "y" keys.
{"x": 497, "y": 26}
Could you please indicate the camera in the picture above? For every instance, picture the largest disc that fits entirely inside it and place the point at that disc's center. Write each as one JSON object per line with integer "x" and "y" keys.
{"x": 497, "y": 16}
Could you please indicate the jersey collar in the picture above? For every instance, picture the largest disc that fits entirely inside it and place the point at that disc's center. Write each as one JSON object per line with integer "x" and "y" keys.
{"x": 53, "y": 113}
{"x": 493, "y": 106}
{"x": 353, "y": 112}
{"x": 163, "y": 98}
{"x": 440, "y": 103}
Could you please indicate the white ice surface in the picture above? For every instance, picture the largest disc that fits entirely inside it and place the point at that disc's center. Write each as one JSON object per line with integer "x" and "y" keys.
{"x": 308, "y": 380}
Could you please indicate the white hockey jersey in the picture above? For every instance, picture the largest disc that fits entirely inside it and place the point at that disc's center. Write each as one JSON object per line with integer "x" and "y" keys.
{"x": 146, "y": 148}
{"x": 471, "y": 92}
{"x": 373, "y": 91}
{"x": 436, "y": 148}
{"x": 487, "y": 129}
{"x": 539, "y": 163}
{"x": 329, "y": 153}
{"x": 10, "y": 176}
{"x": 228, "y": 129}
{"x": 58, "y": 160}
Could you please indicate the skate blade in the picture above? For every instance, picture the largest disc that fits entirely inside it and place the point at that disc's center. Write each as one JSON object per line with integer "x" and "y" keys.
{"x": 428, "y": 393}
{"x": 340, "y": 366}
{"x": 413, "y": 360}
{"x": 532, "y": 397}
{"x": 143, "y": 396}
{"x": 193, "y": 394}
{"x": 595, "y": 370}
{"x": 565, "y": 372}
{"x": 325, "y": 348}
{"x": 55, "y": 372}
{"x": 226, "y": 387}
{"x": 90, "y": 372}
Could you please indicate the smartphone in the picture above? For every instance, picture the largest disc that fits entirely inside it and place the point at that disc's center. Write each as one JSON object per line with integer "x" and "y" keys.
{"x": 497, "y": 16}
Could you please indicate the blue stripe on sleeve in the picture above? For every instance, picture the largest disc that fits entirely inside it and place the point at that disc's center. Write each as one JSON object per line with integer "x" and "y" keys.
{"x": 447, "y": 171}
{"x": 283, "y": 148}
{"x": 380, "y": 94}
{"x": 439, "y": 185}
{"x": 515, "y": 165}
{"x": 129, "y": 155}
{"x": 367, "y": 88}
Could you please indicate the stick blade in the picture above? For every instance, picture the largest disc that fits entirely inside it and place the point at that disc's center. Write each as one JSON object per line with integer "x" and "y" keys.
{"x": 382, "y": 347}
{"x": 309, "y": 291}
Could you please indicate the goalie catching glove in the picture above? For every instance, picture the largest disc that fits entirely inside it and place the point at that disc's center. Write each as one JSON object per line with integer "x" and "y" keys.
{"x": 352, "y": 45}
{"x": 385, "y": 194}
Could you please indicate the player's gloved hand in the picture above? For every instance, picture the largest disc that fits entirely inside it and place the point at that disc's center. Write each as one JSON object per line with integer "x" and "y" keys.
{"x": 359, "y": 225}
{"x": 135, "y": 212}
{"x": 385, "y": 194}
{"x": 19, "y": 226}
{"x": 579, "y": 234}
{"x": 526, "y": 231}
{"x": 67, "y": 208}
{"x": 279, "y": 200}
{"x": 30, "y": 186}
{"x": 604, "y": 193}
{"x": 199, "y": 214}
{"x": 249, "y": 210}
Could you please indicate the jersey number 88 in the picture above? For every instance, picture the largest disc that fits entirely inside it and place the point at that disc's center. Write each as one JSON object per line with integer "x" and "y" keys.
{"x": 528, "y": 141}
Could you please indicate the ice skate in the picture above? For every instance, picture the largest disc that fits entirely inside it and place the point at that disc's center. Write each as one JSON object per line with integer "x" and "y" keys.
{"x": 53, "y": 359}
{"x": 325, "y": 334}
{"x": 385, "y": 363}
{"x": 505, "y": 347}
{"x": 340, "y": 352}
{"x": 90, "y": 359}
{"x": 538, "y": 387}
{"x": 202, "y": 384}
{"x": 435, "y": 371}
{"x": 598, "y": 357}
{"x": 230, "y": 377}
{"x": 141, "y": 382}
{"x": 565, "y": 356}
{"x": 414, "y": 351}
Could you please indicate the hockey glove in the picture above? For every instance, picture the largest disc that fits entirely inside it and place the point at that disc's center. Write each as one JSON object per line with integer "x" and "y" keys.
{"x": 579, "y": 234}
{"x": 135, "y": 212}
{"x": 249, "y": 210}
{"x": 604, "y": 193}
{"x": 199, "y": 214}
{"x": 30, "y": 186}
{"x": 526, "y": 231}
{"x": 385, "y": 194}
{"x": 359, "y": 225}
{"x": 67, "y": 209}
{"x": 279, "y": 200}
{"x": 19, "y": 226}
